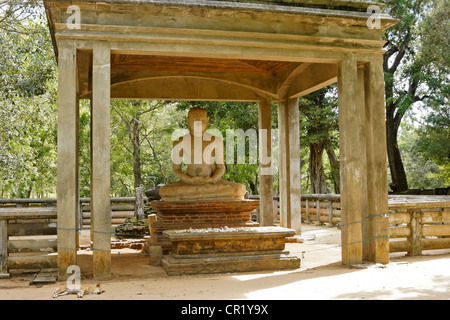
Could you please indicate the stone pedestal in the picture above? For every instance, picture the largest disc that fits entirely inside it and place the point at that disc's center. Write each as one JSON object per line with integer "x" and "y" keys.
{"x": 176, "y": 215}
{"x": 179, "y": 215}
{"x": 229, "y": 250}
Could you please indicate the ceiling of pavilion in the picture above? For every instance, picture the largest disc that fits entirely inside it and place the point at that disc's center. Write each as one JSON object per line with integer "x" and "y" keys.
{"x": 145, "y": 76}
{"x": 166, "y": 63}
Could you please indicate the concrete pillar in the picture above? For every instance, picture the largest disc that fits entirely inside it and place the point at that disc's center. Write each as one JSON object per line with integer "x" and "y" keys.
{"x": 360, "y": 101}
{"x": 265, "y": 163}
{"x": 67, "y": 163}
{"x": 377, "y": 181}
{"x": 289, "y": 159}
{"x": 352, "y": 147}
{"x": 283, "y": 181}
{"x": 100, "y": 162}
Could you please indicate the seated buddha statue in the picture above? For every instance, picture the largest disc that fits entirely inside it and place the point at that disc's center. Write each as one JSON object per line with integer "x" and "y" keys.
{"x": 202, "y": 179}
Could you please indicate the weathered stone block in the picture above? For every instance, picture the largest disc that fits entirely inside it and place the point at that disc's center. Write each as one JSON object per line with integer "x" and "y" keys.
{"x": 176, "y": 215}
{"x": 155, "y": 253}
{"x": 228, "y": 250}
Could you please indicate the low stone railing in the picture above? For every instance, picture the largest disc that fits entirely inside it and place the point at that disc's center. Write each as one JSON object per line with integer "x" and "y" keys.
{"x": 416, "y": 223}
{"x": 121, "y": 208}
{"x": 17, "y": 250}
{"x": 21, "y": 218}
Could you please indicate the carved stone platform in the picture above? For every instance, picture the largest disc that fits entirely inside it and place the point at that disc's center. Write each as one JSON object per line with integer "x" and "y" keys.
{"x": 176, "y": 215}
{"x": 231, "y": 250}
{"x": 179, "y": 215}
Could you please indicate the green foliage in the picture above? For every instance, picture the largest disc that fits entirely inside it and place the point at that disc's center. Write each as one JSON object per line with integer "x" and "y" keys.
{"x": 84, "y": 154}
{"x": 434, "y": 137}
{"x": 435, "y": 31}
{"x": 27, "y": 152}
{"x": 156, "y": 121}
{"x": 27, "y": 109}
{"x": 26, "y": 57}
{"x": 319, "y": 124}
{"x": 427, "y": 152}
{"x": 16, "y": 16}
{"x": 157, "y": 145}
{"x": 319, "y": 133}
{"x": 416, "y": 67}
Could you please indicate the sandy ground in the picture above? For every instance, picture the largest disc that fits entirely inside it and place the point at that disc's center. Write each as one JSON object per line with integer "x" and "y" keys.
{"x": 321, "y": 276}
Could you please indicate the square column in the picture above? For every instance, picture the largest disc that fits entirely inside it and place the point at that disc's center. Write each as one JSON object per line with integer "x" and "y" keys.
{"x": 364, "y": 195}
{"x": 265, "y": 163}
{"x": 352, "y": 146}
{"x": 67, "y": 163}
{"x": 377, "y": 178}
{"x": 100, "y": 162}
{"x": 289, "y": 160}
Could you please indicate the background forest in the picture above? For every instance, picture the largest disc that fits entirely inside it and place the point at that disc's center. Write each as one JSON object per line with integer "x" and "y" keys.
{"x": 416, "y": 65}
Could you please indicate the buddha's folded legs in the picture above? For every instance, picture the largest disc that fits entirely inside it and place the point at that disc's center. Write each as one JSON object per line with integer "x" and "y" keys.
{"x": 221, "y": 190}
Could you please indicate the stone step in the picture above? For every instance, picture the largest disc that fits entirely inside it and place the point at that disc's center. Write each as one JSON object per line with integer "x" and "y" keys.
{"x": 230, "y": 264}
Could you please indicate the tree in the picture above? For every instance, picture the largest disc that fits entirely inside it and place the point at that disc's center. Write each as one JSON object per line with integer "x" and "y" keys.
{"x": 410, "y": 76}
{"x": 157, "y": 147}
{"x": 433, "y": 144}
{"x": 15, "y": 16}
{"x": 435, "y": 137}
{"x": 131, "y": 113}
{"x": 320, "y": 125}
{"x": 423, "y": 141}
{"x": 435, "y": 33}
{"x": 27, "y": 103}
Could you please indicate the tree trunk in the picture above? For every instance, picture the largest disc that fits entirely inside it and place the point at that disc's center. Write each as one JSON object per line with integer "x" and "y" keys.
{"x": 139, "y": 204}
{"x": 393, "y": 113}
{"x": 393, "y": 120}
{"x": 254, "y": 186}
{"x": 316, "y": 170}
{"x": 136, "y": 153}
{"x": 335, "y": 170}
{"x": 398, "y": 174}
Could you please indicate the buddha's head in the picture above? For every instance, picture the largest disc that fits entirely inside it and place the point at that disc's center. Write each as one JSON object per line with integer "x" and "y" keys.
{"x": 197, "y": 121}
